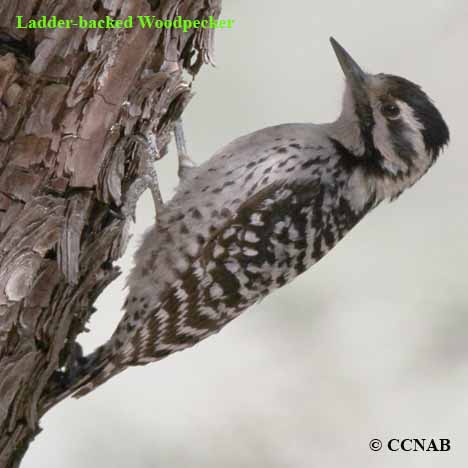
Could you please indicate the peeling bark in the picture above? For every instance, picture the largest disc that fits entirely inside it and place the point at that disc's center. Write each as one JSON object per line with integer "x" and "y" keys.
{"x": 69, "y": 98}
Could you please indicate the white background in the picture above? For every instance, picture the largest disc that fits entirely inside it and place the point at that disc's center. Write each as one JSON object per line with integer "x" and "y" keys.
{"x": 373, "y": 341}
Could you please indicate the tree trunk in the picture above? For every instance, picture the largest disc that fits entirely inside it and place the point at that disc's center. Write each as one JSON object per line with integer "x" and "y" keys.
{"x": 69, "y": 99}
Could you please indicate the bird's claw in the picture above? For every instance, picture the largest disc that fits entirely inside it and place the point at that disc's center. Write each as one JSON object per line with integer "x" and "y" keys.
{"x": 134, "y": 192}
{"x": 186, "y": 164}
{"x": 149, "y": 179}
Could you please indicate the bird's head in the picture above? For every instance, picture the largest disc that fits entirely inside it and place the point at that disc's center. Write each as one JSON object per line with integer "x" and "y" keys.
{"x": 389, "y": 123}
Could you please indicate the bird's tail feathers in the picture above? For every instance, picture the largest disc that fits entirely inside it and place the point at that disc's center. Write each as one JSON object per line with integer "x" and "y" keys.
{"x": 88, "y": 373}
{"x": 94, "y": 370}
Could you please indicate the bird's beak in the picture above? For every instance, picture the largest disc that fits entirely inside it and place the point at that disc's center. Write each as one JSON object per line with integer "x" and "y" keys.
{"x": 353, "y": 72}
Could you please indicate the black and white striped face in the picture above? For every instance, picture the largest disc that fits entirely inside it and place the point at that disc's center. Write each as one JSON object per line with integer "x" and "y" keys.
{"x": 401, "y": 128}
{"x": 391, "y": 125}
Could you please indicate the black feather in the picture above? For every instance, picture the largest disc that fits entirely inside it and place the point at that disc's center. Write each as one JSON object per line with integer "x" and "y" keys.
{"x": 435, "y": 133}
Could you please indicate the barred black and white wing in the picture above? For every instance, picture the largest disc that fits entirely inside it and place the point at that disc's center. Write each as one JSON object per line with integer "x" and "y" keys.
{"x": 274, "y": 236}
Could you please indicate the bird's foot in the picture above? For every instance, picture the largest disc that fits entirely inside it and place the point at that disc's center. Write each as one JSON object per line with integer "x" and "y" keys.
{"x": 148, "y": 179}
{"x": 186, "y": 164}
{"x": 134, "y": 193}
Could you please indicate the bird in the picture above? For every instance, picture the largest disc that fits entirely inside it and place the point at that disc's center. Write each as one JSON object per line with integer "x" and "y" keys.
{"x": 261, "y": 211}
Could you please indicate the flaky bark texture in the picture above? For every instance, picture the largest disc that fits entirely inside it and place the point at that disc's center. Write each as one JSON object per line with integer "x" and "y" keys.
{"x": 69, "y": 98}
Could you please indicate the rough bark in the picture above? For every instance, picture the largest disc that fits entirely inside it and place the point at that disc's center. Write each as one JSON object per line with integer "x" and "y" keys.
{"x": 69, "y": 98}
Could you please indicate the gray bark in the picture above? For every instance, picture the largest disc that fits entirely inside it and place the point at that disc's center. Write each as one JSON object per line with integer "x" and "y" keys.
{"x": 68, "y": 100}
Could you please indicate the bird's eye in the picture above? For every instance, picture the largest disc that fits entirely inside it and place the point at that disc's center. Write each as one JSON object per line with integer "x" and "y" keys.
{"x": 391, "y": 111}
